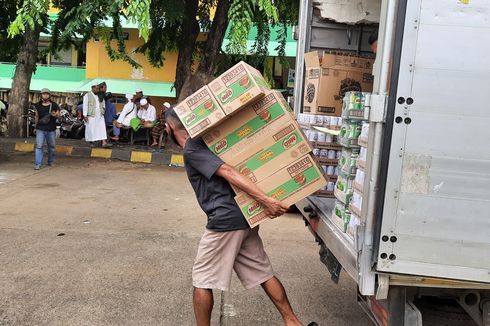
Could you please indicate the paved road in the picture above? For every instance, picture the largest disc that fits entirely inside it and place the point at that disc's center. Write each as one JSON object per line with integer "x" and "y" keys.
{"x": 92, "y": 242}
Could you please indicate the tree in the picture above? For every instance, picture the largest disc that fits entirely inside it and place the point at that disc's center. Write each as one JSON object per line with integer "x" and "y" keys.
{"x": 32, "y": 18}
{"x": 176, "y": 25}
{"x": 9, "y": 47}
{"x": 31, "y": 21}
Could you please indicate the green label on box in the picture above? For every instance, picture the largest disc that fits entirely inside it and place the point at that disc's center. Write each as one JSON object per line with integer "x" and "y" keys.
{"x": 251, "y": 127}
{"x": 281, "y": 146}
{"x": 200, "y": 113}
{"x": 236, "y": 89}
{"x": 285, "y": 190}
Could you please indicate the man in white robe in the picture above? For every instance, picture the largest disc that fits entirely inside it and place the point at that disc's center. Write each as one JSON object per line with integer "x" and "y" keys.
{"x": 93, "y": 113}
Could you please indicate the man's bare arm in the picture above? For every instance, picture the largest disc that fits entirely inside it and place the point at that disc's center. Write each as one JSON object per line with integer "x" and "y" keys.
{"x": 272, "y": 207}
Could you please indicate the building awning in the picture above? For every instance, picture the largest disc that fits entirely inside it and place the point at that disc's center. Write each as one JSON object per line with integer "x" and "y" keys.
{"x": 62, "y": 79}
{"x": 67, "y": 79}
{"x": 122, "y": 86}
{"x": 291, "y": 43}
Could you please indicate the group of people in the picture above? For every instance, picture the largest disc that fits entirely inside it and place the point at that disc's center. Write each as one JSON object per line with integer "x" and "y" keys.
{"x": 99, "y": 113}
{"x": 100, "y": 116}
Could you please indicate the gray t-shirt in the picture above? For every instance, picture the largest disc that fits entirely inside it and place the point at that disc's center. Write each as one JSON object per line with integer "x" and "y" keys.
{"x": 214, "y": 194}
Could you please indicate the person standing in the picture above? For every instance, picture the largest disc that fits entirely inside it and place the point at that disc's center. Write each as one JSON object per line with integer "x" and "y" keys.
{"x": 110, "y": 114}
{"x": 93, "y": 113}
{"x": 228, "y": 242}
{"x": 45, "y": 128}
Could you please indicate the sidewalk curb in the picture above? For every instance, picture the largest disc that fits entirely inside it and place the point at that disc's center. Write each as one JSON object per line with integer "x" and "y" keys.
{"x": 135, "y": 156}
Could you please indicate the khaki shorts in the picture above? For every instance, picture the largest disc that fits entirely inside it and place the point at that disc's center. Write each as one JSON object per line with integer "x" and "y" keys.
{"x": 221, "y": 252}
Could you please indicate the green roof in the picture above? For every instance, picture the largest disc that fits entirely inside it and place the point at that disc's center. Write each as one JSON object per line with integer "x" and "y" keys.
{"x": 67, "y": 79}
{"x": 63, "y": 79}
{"x": 123, "y": 86}
{"x": 291, "y": 43}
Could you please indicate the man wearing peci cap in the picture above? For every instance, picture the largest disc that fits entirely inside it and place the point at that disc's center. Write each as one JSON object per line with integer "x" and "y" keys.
{"x": 45, "y": 127}
{"x": 138, "y": 95}
{"x": 147, "y": 114}
{"x": 127, "y": 114}
{"x": 93, "y": 113}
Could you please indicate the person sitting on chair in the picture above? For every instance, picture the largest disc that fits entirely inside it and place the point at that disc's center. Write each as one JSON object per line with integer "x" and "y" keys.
{"x": 147, "y": 114}
{"x": 127, "y": 114}
{"x": 159, "y": 128}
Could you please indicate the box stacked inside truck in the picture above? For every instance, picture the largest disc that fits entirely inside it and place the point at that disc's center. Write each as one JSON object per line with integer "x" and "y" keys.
{"x": 328, "y": 77}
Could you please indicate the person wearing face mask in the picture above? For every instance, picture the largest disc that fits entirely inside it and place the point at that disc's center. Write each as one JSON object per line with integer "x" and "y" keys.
{"x": 45, "y": 127}
{"x": 93, "y": 113}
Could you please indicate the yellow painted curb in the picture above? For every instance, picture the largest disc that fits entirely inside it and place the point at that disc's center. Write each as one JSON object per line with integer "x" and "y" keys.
{"x": 65, "y": 150}
{"x": 177, "y": 160}
{"x": 141, "y": 157}
{"x": 23, "y": 147}
{"x": 101, "y": 152}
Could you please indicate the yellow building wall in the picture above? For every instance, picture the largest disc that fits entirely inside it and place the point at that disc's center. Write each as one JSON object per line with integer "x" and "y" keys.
{"x": 99, "y": 65}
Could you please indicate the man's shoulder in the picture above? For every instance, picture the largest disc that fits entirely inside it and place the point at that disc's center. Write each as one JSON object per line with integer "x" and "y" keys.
{"x": 195, "y": 144}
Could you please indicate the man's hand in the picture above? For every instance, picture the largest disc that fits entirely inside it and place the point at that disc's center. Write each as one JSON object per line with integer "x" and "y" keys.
{"x": 274, "y": 208}
{"x": 85, "y": 119}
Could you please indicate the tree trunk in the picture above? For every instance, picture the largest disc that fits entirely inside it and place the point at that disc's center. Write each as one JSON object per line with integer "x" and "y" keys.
{"x": 205, "y": 72}
{"x": 19, "y": 94}
{"x": 187, "y": 44}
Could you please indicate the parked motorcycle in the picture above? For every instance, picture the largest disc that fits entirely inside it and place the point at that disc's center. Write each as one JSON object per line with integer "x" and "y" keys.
{"x": 71, "y": 126}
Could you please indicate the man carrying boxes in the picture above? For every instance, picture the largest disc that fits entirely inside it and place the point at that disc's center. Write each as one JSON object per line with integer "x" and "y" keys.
{"x": 261, "y": 139}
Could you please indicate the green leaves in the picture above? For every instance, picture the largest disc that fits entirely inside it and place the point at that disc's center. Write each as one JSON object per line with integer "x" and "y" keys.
{"x": 30, "y": 14}
{"x": 138, "y": 11}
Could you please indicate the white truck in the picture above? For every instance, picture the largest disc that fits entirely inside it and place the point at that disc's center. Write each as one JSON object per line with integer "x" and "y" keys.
{"x": 421, "y": 255}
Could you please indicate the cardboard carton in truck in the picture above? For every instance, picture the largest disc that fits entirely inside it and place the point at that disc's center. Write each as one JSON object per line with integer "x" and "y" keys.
{"x": 329, "y": 76}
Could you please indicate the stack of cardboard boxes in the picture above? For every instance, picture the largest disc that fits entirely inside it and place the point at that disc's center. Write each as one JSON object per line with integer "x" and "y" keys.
{"x": 328, "y": 77}
{"x": 252, "y": 128}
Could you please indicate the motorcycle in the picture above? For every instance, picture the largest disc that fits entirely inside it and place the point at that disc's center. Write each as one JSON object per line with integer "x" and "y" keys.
{"x": 71, "y": 126}
{"x": 3, "y": 120}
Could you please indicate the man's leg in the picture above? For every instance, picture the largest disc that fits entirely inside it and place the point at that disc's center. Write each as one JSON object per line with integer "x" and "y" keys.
{"x": 39, "y": 148}
{"x": 51, "y": 139}
{"x": 203, "y": 306}
{"x": 116, "y": 130}
{"x": 278, "y": 296}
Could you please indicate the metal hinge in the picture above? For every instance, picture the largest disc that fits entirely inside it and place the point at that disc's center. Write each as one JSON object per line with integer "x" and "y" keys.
{"x": 377, "y": 107}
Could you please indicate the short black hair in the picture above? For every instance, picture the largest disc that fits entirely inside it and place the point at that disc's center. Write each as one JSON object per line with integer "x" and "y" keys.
{"x": 171, "y": 115}
{"x": 102, "y": 84}
{"x": 373, "y": 38}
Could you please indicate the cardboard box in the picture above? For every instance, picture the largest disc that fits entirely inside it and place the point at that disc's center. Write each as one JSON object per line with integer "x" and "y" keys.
{"x": 292, "y": 183}
{"x": 328, "y": 77}
{"x": 199, "y": 112}
{"x": 246, "y": 128}
{"x": 272, "y": 153}
{"x": 238, "y": 87}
